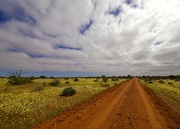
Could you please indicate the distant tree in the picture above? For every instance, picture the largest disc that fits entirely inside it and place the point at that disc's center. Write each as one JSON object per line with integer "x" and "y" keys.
{"x": 17, "y": 73}
{"x": 42, "y": 77}
{"x": 52, "y": 77}
{"x": 16, "y": 79}
{"x": 128, "y": 76}
{"x": 172, "y": 77}
{"x": 32, "y": 77}
{"x": 114, "y": 79}
{"x": 103, "y": 76}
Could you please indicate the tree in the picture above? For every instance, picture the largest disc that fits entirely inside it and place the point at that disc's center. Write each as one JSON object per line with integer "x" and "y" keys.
{"x": 42, "y": 77}
{"x": 17, "y": 73}
{"x": 16, "y": 79}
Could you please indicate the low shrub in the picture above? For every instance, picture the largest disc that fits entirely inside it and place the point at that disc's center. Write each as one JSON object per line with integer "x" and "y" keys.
{"x": 67, "y": 82}
{"x": 114, "y": 79}
{"x": 105, "y": 79}
{"x": 161, "y": 82}
{"x": 55, "y": 82}
{"x": 170, "y": 83}
{"x": 96, "y": 80}
{"x": 68, "y": 92}
{"x": 76, "y": 79}
{"x": 19, "y": 81}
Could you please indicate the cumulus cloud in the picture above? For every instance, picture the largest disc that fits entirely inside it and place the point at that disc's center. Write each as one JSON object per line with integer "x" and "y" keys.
{"x": 138, "y": 37}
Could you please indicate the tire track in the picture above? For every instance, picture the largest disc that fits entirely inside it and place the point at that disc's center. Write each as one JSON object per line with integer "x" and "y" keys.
{"x": 151, "y": 114}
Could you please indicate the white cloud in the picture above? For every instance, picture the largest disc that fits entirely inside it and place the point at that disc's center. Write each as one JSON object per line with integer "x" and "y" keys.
{"x": 119, "y": 45}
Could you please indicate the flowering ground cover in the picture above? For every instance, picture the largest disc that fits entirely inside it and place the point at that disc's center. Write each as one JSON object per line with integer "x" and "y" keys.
{"x": 22, "y": 106}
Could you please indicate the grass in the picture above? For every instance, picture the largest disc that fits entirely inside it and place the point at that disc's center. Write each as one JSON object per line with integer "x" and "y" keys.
{"x": 170, "y": 92}
{"x": 21, "y": 108}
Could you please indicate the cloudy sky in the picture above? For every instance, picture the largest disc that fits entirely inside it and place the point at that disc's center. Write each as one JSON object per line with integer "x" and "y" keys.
{"x": 90, "y": 37}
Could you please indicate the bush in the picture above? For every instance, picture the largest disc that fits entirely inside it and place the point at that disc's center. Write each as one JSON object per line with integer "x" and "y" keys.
{"x": 96, "y": 80}
{"x": 150, "y": 82}
{"x": 42, "y": 77}
{"x": 105, "y": 79}
{"x": 114, "y": 79}
{"x": 55, "y": 82}
{"x": 170, "y": 83}
{"x": 68, "y": 92}
{"x": 19, "y": 81}
{"x": 161, "y": 82}
{"x": 67, "y": 82}
{"x": 76, "y": 79}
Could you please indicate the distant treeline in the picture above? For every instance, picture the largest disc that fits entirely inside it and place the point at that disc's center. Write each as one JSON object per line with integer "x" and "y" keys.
{"x": 172, "y": 77}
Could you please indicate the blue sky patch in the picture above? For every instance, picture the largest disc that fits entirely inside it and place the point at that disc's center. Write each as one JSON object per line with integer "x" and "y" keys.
{"x": 3, "y": 17}
{"x": 85, "y": 27}
{"x": 66, "y": 47}
{"x": 15, "y": 50}
{"x": 158, "y": 43}
{"x": 18, "y": 14}
{"x": 36, "y": 55}
{"x": 19, "y": 50}
{"x": 115, "y": 12}
{"x": 128, "y": 2}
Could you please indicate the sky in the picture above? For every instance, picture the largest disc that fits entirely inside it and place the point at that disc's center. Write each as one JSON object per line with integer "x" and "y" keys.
{"x": 90, "y": 37}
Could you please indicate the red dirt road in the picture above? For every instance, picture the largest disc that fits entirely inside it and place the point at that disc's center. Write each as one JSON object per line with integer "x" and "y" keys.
{"x": 127, "y": 106}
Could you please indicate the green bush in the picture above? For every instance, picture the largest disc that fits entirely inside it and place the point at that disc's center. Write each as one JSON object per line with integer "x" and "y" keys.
{"x": 19, "y": 81}
{"x": 55, "y": 82}
{"x": 68, "y": 92}
{"x": 96, "y": 80}
{"x": 170, "y": 83}
{"x": 114, "y": 79}
{"x": 105, "y": 79}
{"x": 67, "y": 82}
{"x": 76, "y": 79}
{"x": 161, "y": 82}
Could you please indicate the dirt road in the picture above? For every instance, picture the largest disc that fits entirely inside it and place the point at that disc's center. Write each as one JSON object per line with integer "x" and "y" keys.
{"x": 127, "y": 106}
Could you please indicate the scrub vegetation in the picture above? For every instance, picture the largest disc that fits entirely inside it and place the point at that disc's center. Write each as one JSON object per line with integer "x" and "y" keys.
{"x": 27, "y": 104}
{"x": 166, "y": 87}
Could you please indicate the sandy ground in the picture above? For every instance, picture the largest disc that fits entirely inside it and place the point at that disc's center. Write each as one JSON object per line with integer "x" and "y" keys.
{"x": 126, "y": 106}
